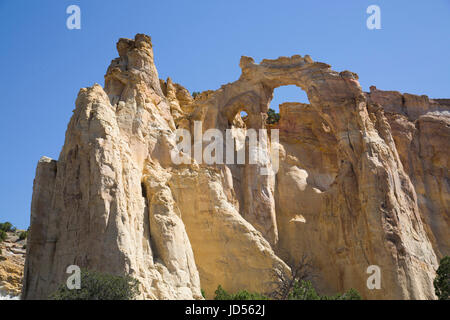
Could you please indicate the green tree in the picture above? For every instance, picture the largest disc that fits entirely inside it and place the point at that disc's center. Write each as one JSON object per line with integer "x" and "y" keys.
{"x": 303, "y": 290}
{"x": 6, "y": 226}
{"x": 351, "y": 294}
{"x": 272, "y": 116}
{"x": 100, "y": 286}
{"x": 221, "y": 294}
{"x": 298, "y": 285}
{"x": 23, "y": 235}
{"x": 2, "y": 235}
{"x": 442, "y": 280}
{"x": 195, "y": 94}
{"x": 297, "y": 280}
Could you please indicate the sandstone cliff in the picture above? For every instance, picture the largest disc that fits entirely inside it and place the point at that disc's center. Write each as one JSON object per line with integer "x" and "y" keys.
{"x": 362, "y": 180}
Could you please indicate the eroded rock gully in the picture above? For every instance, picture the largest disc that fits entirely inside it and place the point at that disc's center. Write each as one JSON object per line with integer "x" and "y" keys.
{"x": 362, "y": 180}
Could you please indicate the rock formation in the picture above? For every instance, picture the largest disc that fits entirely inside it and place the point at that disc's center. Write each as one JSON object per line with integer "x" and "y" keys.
{"x": 12, "y": 259}
{"x": 362, "y": 180}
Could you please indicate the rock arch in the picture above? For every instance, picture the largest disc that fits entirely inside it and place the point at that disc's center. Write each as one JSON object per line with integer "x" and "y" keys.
{"x": 365, "y": 182}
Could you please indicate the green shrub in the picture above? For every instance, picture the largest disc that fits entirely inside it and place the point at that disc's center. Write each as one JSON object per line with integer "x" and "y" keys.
{"x": 195, "y": 94}
{"x": 303, "y": 290}
{"x": 272, "y": 116}
{"x": 221, "y": 294}
{"x": 100, "y": 286}
{"x": 297, "y": 284}
{"x": 245, "y": 295}
{"x": 442, "y": 280}
{"x": 6, "y": 226}
{"x": 351, "y": 294}
{"x": 203, "y": 293}
{"x": 23, "y": 235}
{"x": 2, "y": 235}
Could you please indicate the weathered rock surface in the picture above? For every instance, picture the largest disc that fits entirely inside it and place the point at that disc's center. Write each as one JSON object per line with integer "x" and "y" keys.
{"x": 421, "y": 130}
{"x": 362, "y": 180}
{"x": 12, "y": 259}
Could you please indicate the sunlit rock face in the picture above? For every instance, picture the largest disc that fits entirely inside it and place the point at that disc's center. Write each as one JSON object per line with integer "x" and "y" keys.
{"x": 361, "y": 180}
{"x": 421, "y": 130}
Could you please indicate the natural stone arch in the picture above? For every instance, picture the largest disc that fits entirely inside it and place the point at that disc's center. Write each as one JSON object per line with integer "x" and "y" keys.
{"x": 364, "y": 147}
{"x": 253, "y": 92}
{"x": 255, "y": 87}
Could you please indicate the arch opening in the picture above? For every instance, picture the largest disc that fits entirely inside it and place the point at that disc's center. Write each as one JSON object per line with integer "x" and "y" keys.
{"x": 240, "y": 120}
{"x": 289, "y": 93}
{"x": 305, "y": 137}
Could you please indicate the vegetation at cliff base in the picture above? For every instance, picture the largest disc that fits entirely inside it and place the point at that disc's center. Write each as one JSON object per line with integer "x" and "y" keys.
{"x": 99, "y": 286}
{"x": 442, "y": 280}
{"x": 221, "y": 294}
{"x": 301, "y": 290}
{"x": 296, "y": 285}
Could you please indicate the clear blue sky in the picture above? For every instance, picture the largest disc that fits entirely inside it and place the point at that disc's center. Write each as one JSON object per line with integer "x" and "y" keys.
{"x": 198, "y": 44}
